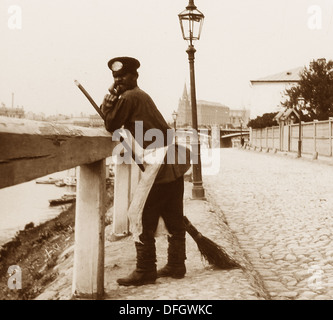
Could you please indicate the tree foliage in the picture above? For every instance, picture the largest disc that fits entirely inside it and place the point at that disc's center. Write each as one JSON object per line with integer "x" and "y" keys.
{"x": 316, "y": 87}
{"x": 266, "y": 120}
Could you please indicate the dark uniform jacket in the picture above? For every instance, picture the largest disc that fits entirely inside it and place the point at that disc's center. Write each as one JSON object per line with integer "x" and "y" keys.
{"x": 136, "y": 111}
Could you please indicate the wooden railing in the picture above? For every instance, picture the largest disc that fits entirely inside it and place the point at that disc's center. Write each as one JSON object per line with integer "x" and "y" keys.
{"x": 316, "y": 137}
{"x": 31, "y": 149}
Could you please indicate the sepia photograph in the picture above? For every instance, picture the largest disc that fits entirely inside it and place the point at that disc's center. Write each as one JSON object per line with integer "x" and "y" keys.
{"x": 166, "y": 155}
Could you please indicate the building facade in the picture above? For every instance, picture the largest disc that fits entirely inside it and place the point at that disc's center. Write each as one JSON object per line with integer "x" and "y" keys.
{"x": 210, "y": 114}
{"x": 11, "y": 112}
{"x": 268, "y": 92}
{"x": 83, "y": 121}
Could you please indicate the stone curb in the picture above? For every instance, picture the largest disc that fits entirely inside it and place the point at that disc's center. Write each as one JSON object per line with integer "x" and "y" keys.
{"x": 314, "y": 158}
{"x": 232, "y": 247}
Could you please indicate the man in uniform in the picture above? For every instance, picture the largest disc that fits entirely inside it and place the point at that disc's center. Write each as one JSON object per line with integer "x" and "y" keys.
{"x": 127, "y": 106}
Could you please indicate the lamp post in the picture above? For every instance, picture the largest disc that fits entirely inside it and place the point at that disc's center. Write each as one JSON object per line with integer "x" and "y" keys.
{"x": 300, "y": 101}
{"x": 241, "y": 128}
{"x": 191, "y": 20}
{"x": 174, "y": 117}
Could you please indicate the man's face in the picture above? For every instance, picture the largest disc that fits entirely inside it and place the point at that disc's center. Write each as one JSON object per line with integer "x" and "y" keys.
{"x": 125, "y": 82}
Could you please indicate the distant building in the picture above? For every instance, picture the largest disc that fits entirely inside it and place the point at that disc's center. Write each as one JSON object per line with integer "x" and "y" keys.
{"x": 269, "y": 92}
{"x": 96, "y": 121}
{"x": 209, "y": 113}
{"x": 83, "y": 121}
{"x": 11, "y": 112}
{"x": 212, "y": 114}
{"x": 36, "y": 117}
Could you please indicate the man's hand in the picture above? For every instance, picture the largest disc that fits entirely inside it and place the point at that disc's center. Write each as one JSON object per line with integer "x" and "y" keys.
{"x": 113, "y": 90}
{"x": 108, "y": 102}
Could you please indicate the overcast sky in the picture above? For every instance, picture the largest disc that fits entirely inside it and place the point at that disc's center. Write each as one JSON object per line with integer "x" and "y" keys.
{"x": 60, "y": 41}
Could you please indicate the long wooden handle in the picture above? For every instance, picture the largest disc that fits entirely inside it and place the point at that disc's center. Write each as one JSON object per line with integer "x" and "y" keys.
{"x": 89, "y": 98}
{"x": 122, "y": 140}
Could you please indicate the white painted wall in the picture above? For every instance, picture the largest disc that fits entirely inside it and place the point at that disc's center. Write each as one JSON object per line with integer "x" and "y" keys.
{"x": 266, "y": 97}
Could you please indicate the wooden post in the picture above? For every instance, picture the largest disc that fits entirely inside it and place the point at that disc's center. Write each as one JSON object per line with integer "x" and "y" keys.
{"x": 257, "y": 139}
{"x": 216, "y": 137}
{"x": 330, "y": 136}
{"x": 250, "y": 141}
{"x": 122, "y": 194}
{"x": 88, "y": 270}
{"x": 280, "y": 136}
{"x": 289, "y": 136}
{"x": 315, "y": 136}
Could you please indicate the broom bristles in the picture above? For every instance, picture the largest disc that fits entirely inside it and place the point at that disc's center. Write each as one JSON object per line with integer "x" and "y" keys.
{"x": 211, "y": 251}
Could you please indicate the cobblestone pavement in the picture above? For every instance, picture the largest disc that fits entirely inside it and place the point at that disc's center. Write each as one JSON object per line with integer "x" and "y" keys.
{"x": 280, "y": 208}
{"x": 202, "y": 281}
{"x": 272, "y": 213}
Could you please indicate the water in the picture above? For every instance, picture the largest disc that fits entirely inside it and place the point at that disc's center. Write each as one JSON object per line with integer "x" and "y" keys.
{"x": 28, "y": 202}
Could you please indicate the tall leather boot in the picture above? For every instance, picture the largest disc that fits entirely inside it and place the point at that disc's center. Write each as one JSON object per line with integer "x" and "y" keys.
{"x": 145, "y": 271}
{"x": 175, "y": 268}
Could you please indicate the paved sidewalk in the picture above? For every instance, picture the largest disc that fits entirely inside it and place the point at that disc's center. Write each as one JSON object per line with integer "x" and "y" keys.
{"x": 281, "y": 210}
{"x": 202, "y": 281}
{"x": 272, "y": 213}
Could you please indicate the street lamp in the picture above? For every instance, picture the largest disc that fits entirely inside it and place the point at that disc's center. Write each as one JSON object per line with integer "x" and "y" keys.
{"x": 174, "y": 116}
{"x": 191, "y": 20}
{"x": 301, "y": 103}
{"x": 241, "y": 128}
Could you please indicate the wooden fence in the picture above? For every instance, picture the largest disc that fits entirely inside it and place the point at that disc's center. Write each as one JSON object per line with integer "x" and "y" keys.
{"x": 316, "y": 137}
{"x": 31, "y": 149}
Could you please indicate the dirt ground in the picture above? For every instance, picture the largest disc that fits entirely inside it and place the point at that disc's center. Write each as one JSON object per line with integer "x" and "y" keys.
{"x": 36, "y": 250}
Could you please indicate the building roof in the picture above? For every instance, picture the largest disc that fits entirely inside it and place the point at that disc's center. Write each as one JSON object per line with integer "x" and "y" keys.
{"x": 285, "y": 114}
{"x": 292, "y": 75}
{"x": 185, "y": 95}
{"x": 211, "y": 104}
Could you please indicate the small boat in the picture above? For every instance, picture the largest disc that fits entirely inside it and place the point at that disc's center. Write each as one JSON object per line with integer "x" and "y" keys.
{"x": 66, "y": 198}
{"x": 48, "y": 180}
{"x": 60, "y": 183}
{"x": 70, "y": 181}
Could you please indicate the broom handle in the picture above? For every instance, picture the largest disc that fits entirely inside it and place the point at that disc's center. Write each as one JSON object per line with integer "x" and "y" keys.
{"x": 89, "y": 98}
{"x": 122, "y": 140}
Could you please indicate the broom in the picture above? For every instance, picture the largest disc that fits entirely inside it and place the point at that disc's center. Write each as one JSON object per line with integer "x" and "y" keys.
{"x": 211, "y": 251}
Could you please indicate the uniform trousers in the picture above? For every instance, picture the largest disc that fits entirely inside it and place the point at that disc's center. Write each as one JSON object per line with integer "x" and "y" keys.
{"x": 165, "y": 200}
